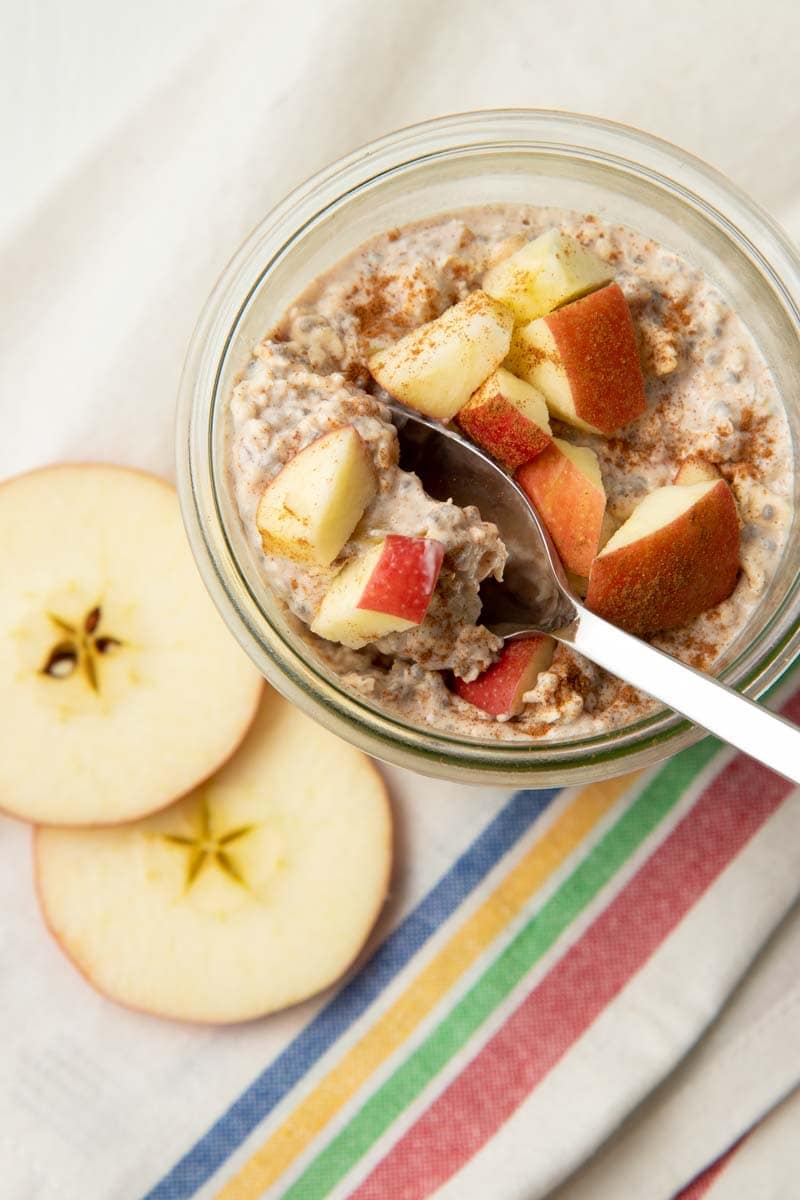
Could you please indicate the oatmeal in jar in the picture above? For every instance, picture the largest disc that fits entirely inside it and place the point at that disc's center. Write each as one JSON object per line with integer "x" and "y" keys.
{"x": 605, "y": 373}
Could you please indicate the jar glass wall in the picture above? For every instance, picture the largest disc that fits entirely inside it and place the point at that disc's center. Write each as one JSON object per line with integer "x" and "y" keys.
{"x": 514, "y": 157}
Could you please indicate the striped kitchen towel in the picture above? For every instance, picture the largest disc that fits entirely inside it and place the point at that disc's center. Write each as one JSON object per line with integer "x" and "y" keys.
{"x": 547, "y": 958}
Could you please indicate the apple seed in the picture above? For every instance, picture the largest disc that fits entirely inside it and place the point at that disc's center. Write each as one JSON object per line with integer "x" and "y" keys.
{"x": 80, "y": 649}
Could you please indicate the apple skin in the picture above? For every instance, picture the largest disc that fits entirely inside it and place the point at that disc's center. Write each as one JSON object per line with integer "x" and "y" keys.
{"x": 670, "y": 576}
{"x": 509, "y": 418}
{"x": 569, "y": 503}
{"x": 585, "y": 360}
{"x": 500, "y": 688}
{"x": 387, "y": 589}
{"x": 404, "y": 577}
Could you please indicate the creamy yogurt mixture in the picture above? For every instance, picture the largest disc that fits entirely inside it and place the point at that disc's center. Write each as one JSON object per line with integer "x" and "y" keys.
{"x": 709, "y": 393}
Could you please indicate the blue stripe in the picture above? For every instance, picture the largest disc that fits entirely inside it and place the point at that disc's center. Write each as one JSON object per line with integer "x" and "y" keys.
{"x": 269, "y": 1088}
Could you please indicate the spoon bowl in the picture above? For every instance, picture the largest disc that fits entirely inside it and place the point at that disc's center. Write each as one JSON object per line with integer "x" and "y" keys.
{"x": 534, "y": 593}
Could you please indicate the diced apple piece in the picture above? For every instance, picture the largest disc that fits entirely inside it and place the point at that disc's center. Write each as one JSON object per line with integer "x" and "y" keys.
{"x": 311, "y": 507}
{"x": 508, "y": 417}
{"x": 120, "y": 686}
{"x": 405, "y": 577}
{"x": 585, "y": 361}
{"x": 565, "y": 487}
{"x": 547, "y": 272}
{"x": 438, "y": 366}
{"x": 676, "y": 556}
{"x": 500, "y": 688}
{"x": 387, "y": 590}
{"x": 696, "y": 470}
{"x": 253, "y": 892}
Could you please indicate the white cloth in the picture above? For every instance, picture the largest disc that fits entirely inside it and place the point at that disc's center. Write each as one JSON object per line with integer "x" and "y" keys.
{"x": 743, "y": 1066}
{"x": 767, "y": 1164}
{"x": 140, "y": 145}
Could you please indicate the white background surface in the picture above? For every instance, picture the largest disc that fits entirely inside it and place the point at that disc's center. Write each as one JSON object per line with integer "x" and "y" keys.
{"x": 141, "y": 142}
{"x": 719, "y": 78}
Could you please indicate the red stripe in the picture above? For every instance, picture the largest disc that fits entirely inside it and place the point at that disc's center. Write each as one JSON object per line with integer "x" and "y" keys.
{"x": 563, "y": 1005}
{"x": 701, "y": 1184}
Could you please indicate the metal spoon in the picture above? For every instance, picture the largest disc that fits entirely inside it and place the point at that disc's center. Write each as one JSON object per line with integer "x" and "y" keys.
{"x": 535, "y": 597}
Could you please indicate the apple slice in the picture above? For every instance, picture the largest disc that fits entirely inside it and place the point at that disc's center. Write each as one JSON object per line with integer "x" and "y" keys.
{"x": 438, "y": 366}
{"x": 386, "y": 590}
{"x": 500, "y": 688}
{"x": 255, "y": 891}
{"x": 311, "y": 507}
{"x": 547, "y": 272}
{"x": 564, "y": 485}
{"x": 676, "y": 556}
{"x": 696, "y": 470}
{"x": 508, "y": 418}
{"x": 120, "y": 687}
{"x": 585, "y": 361}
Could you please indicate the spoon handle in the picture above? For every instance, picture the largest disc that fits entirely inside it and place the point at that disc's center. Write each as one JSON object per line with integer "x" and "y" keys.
{"x": 705, "y": 701}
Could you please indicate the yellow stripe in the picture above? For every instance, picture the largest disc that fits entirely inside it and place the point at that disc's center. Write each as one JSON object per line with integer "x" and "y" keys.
{"x": 341, "y": 1083}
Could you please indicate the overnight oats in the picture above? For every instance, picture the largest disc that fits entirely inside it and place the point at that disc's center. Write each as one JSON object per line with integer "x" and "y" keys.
{"x": 605, "y": 373}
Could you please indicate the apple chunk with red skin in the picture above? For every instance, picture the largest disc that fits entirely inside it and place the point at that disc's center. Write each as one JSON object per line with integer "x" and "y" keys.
{"x": 565, "y": 487}
{"x": 387, "y": 590}
{"x": 499, "y": 690}
{"x": 585, "y": 361}
{"x": 508, "y": 417}
{"x": 311, "y": 507}
{"x": 676, "y": 556}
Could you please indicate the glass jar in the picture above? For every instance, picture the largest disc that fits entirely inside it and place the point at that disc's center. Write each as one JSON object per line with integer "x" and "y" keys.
{"x": 508, "y": 156}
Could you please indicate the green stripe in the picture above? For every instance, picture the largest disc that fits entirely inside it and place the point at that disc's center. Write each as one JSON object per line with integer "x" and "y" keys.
{"x": 540, "y": 933}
